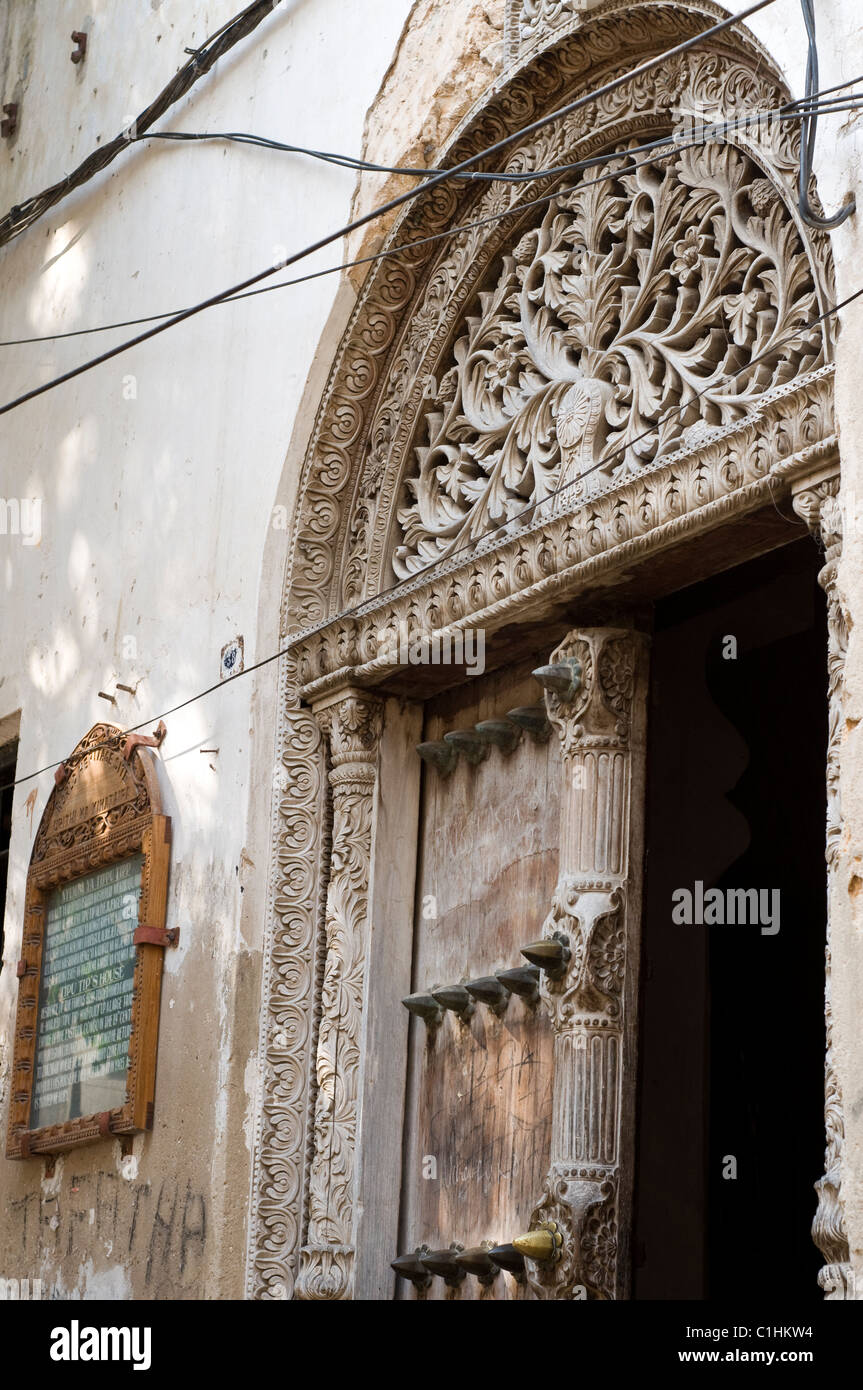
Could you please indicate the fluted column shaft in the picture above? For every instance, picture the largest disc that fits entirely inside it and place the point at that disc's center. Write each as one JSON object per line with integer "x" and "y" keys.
{"x": 596, "y": 913}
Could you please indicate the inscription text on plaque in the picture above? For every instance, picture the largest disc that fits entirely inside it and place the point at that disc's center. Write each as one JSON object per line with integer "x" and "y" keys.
{"x": 85, "y": 995}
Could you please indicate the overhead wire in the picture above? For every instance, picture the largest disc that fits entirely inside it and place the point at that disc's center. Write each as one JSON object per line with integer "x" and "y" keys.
{"x": 22, "y": 216}
{"x": 436, "y": 180}
{"x": 672, "y": 144}
{"x": 789, "y": 110}
{"x": 368, "y": 604}
{"x": 807, "y": 139}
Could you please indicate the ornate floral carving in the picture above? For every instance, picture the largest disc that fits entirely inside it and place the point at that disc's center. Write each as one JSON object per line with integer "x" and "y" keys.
{"x": 352, "y": 727}
{"x": 818, "y": 505}
{"x": 710, "y": 86}
{"x": 529, "y": 21}
{"x": 592, "y": 925}
{"x": 582, "y": 1206}
{"x": 729, "y": 473}
{"x": 658, "y": 288}
{"x": 289, "y": 1002}
{"x": 599, "y": 1245}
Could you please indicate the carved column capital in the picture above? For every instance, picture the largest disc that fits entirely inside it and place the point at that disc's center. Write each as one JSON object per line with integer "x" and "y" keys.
{"x": 352, "y": 723}
{"x": 598, "y": 714}
{"x": 815, "y": 500}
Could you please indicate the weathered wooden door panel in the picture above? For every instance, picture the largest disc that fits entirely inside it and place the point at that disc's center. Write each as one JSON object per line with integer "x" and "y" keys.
{"x": 480, "y": 1091}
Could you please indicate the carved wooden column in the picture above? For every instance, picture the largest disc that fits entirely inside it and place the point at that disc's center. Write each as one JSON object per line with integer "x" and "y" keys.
{"x": 351, "y": 722}
{"x": 817, "y": 502}
{"x": 592, "y": 1004}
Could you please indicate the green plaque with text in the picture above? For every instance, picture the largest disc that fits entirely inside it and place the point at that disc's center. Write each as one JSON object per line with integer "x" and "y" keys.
{"x": 85, "y": 994}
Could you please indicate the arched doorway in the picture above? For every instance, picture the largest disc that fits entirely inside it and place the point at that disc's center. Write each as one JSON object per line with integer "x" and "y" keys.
{"x": 534, "y": 428}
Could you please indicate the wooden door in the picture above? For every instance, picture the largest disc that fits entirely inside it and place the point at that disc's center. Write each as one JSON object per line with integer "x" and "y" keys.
{"x": 479, "y": 1105}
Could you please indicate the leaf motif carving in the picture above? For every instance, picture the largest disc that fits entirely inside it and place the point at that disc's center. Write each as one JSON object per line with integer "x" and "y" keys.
{"x": 649, "y": 289}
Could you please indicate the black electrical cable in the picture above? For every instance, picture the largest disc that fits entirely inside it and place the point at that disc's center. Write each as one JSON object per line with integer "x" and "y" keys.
{"x": 807, "y": 138}
{"x": 23, "y": 215}
{"x": 789, "y": 111}
{"x": 368, "y": 166}
{"x": 445, "y": 175}
{"x": 671, "y": 144}
{"x": 343, "y": 161}
{"x": 661, "y": 144}
{"x": 369, "y": 603}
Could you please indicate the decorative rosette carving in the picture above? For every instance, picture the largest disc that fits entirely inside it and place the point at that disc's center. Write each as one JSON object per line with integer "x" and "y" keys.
{"x": 599, "y": 712}
{"x": 582, "y": 1204}
{"x": 591, "y": 923}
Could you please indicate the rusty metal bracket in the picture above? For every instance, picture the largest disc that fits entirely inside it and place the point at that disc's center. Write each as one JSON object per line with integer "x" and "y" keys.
{"x": 60, "y": 775}
{"x": 21, "y": 969}
{"x": 156, "y": 936}
{"x": 79, "y": 38}
{"x": 9, "y": 124}
{"x": 153, "y": 740}
{"x": 103, "y": 1120}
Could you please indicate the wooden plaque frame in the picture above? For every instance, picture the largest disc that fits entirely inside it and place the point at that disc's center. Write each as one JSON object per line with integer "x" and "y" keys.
{"x": 105, "y": 807}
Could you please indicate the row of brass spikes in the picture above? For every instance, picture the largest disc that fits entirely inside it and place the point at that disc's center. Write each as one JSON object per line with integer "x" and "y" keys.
{"x": 543, "y": 1245}
{"x": 475, "y": 744}
{"x": 484, "y": 1262}
{"x": 492, "y": 990}
{"x": 563, "y": 679}
{"x": 550, "y": 954}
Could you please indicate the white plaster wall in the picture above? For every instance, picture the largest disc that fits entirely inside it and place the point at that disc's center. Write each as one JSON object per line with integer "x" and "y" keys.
{"x": 157, "y": 475}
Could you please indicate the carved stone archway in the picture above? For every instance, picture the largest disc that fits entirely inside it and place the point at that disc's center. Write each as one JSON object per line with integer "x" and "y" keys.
{"x": 478, "y": 377}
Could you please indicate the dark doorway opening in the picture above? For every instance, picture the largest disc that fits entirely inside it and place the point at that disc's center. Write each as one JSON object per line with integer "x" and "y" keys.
{"x": 731, "y": 1057}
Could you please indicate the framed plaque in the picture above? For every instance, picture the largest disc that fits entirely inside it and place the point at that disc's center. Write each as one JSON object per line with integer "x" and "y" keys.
{"x": 90, "y": 973}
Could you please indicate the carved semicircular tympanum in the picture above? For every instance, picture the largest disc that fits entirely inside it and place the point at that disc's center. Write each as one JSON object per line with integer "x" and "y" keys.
{"x": 646, "y": 306}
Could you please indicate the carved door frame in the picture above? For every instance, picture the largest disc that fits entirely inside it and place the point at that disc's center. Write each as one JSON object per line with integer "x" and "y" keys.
{"x": 321, "y": 1222}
